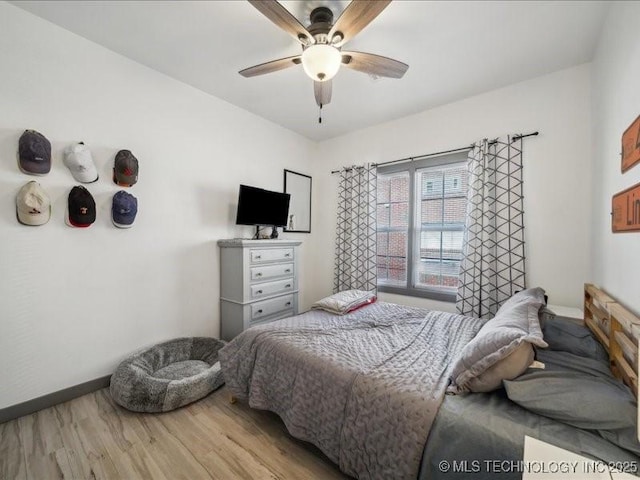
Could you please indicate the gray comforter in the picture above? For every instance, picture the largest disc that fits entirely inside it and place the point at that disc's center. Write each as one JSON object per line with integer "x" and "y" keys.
{"x": 364, "y": 387}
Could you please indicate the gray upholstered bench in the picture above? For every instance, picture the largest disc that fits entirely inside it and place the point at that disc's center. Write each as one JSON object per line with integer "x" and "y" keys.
{"x": 168, "y": 375}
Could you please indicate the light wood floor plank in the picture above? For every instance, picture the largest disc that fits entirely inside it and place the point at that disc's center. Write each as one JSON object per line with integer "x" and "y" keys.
{"x": 42, "y": 444}
{"x": 12, "y": 458}
{"x": 172, "y": 456}
{"x": 93, "y": 438}
{"x": 91, "y": 447}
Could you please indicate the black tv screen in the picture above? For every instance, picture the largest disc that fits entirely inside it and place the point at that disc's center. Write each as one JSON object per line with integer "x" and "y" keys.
{"x": 257, "y": 206}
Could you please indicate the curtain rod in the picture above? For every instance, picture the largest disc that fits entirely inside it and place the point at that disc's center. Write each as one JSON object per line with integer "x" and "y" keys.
{"x": 434, "y": 154}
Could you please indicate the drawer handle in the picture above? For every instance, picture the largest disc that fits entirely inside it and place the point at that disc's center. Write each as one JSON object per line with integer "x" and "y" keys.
{"x": 258, "y": 257}
{"x": 287, "y": 254}
{"x": 258, "y": 274}
{"x": 287, "y": 270}
{"x": 288, "y": 285}
{"x": 287, "y": 304}
{"x": 260, "y": 311}
{"x": 259, "y": 291}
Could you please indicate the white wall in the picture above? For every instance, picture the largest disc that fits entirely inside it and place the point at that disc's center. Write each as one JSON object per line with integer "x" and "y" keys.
{"x": 616, "y": 103}
{"x": 73, "y": 302}
{"x": 556, "y": 173}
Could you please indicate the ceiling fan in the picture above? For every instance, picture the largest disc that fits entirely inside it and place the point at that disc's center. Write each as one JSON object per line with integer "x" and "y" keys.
{"x": 322, "y": 43}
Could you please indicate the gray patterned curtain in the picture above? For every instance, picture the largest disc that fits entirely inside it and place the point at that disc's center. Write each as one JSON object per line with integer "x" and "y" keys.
{"x": 492, "y": 268}
{"x": 355, "y": 261}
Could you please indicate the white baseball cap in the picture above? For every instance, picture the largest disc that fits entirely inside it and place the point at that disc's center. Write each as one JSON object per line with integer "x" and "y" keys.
{"x": 33, "y": 206}
{"x": 78, "y": 160}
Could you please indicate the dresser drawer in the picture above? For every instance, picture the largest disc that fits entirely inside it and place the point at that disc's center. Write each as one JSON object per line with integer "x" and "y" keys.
{"x": 274, "y": 306}
{"x": 272, "y": 288}
{"x": 267, "y": 272}
{"x": 270, "y": 255}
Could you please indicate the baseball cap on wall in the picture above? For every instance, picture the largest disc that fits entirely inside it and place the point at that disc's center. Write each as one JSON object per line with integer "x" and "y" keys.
{"x": 81, "y": 208}
{"x": 124, "y": 209}
{"x": 34, "y": 153}
{"x": 125, "y": 169}
{"x": 78, "y": 159}
{"x": 33, "y": 206}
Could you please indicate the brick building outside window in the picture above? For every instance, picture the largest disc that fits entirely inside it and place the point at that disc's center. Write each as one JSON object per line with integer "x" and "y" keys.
{"x": 421, "y": 209}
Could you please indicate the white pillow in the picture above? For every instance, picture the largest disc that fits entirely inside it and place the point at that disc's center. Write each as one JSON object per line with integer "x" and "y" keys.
{"x": 344, "y": 302}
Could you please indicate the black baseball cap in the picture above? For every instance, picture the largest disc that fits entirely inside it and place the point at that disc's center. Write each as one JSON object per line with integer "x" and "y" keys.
{"x": 81, "y": 207}
{"x": 34, "y": 153}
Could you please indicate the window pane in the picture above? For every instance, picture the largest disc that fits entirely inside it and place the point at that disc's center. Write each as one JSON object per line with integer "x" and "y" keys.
{"x": 400, "y": 215}
{"x": 382, "y": 216}
{"x": 393, "y": 228}
{"x": 455, "y": 209}
{"x": 398, "y": 244}
{"x": 430, "y": 243}
{"x": 383, "y": 189}
{"x": 382, "y": 244}
{"x": 441, "y": 215}
{"x": 433, "y": 273}
{"x": 452, "y": 245}
{"x": 431, "y": 211}
{"x": 399, "y": 186}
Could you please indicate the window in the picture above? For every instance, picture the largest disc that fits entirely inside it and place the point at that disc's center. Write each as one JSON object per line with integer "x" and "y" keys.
{"x": 421, "y": 208}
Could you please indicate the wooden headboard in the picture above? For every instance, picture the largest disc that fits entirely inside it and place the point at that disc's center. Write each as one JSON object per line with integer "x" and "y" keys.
{"x": 617, "y": 329}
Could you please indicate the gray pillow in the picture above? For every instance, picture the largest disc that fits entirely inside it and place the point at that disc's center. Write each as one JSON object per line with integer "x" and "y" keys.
{"x": 529, "y": 295}
{"x": 515, "y": 323}
{"x": 557, "y": 360}
{"x": 575, "y": 398}
{"x": 565, "y": 335}
{"x": 581, "y": 392}
{"x": 545, "y": 315}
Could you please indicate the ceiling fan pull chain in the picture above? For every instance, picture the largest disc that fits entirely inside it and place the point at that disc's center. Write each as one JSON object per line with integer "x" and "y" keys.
{"x": 320, "y": 114}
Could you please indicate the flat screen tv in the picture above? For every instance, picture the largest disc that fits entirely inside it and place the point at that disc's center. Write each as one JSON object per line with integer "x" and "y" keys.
{"x": 260, "y": 207}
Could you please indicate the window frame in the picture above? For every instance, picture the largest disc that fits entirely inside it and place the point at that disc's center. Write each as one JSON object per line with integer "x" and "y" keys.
{"x": 413, "y": 232}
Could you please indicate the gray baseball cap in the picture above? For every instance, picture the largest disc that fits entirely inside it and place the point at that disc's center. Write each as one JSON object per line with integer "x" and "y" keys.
{"x": 34, "y": 153}
{"x": 125, "y": 169}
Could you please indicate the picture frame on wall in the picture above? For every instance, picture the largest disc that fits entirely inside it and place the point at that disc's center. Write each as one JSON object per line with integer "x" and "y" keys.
{"x": 631, "y": 145}
{"x": 298, "y": 185}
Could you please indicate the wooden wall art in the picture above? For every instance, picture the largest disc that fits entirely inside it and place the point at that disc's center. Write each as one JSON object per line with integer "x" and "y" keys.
{"x": 625, "y": 208}
{"x": 631, "y": 145}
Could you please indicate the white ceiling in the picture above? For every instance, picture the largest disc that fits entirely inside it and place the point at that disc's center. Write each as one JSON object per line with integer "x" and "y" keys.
{"x": 454, "y": 50}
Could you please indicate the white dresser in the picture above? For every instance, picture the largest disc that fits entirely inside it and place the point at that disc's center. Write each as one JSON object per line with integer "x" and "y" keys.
{"x": 258, "y": 283}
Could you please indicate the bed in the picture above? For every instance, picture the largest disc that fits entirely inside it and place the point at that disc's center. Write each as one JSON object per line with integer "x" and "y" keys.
{"x": 369, "y": 389}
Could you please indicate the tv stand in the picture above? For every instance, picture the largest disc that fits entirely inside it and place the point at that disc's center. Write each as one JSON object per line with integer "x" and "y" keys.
{"x": 274, "y": 233}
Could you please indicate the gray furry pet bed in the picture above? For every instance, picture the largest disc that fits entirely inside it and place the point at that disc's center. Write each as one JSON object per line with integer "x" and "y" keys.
{"x": 168, "y": 375}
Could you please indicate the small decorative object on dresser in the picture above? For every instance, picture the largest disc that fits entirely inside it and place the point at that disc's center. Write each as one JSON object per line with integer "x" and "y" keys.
{"x": 258, "y": 283}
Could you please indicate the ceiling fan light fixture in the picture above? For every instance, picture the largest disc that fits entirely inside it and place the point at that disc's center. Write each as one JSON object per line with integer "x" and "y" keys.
{"x": 321, "y": 62}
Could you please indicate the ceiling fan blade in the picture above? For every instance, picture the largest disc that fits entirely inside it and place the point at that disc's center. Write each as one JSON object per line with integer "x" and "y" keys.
{"x": 357, "y": 15}
{"x": 279, "y": 15}
{"x": 272, "y": 66}
{"x": 322, "y": 91}
{"x": 374, "y": 64}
